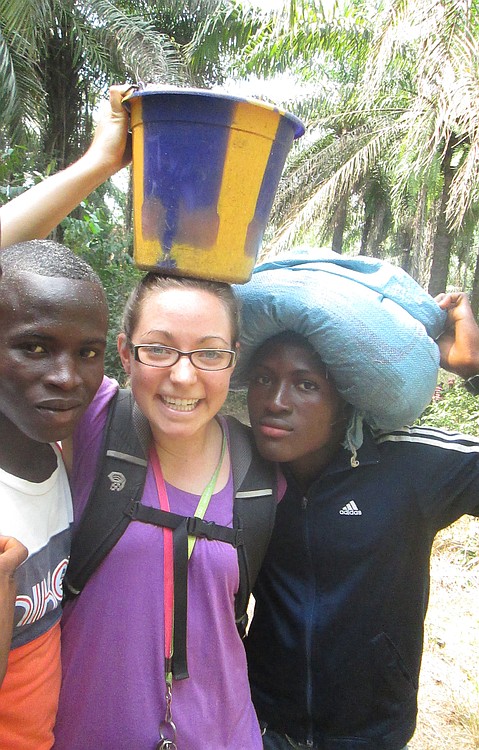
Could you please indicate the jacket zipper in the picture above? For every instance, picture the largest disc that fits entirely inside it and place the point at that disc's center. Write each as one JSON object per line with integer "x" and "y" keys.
{"x": 308, "y": 640}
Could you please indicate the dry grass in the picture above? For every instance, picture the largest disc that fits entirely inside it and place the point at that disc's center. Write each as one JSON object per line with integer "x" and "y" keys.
{"x": 449, "y": 689}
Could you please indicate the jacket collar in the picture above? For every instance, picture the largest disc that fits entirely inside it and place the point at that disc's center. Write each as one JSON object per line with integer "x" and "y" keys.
{"x": 367, "y": 454}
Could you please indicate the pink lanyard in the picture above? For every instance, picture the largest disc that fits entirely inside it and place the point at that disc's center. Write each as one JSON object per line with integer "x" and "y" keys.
{"x": 167, "y": 726}
{"x": 168, "y": 581}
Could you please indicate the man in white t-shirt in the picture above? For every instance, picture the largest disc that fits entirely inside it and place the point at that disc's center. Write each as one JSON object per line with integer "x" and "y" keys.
{"x": 52, "y": 334}
{"x": 53, "y": 325}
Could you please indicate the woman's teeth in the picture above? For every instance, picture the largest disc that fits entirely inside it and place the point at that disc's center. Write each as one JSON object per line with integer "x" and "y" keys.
{"x": 181, "y": 404}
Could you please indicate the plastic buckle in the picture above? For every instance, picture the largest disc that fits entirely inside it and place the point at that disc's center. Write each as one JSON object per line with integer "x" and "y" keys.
{"x": 200, "y": 528}
{"x": 472, "y": 385}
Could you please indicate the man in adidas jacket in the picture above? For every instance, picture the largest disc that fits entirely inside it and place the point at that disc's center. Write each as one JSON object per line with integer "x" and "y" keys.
{"x": 335, "y": 645}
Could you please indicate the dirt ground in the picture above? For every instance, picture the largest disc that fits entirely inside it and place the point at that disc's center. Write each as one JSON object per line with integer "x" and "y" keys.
{"x": 449, "y": 687}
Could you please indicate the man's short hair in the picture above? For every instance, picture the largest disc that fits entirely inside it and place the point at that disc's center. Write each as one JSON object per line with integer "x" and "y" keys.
{"x": 46, "y": 258}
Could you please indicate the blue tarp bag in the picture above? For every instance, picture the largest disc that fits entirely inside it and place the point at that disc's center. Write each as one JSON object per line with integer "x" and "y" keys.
{"x": 373, "y": 326}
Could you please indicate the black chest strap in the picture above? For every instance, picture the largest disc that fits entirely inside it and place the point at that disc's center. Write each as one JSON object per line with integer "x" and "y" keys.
{"x": 182, "y": 527}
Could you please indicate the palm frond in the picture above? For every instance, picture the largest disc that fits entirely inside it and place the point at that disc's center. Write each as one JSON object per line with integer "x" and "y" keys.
{"x": 464, "y": 192}
{"x": 148, "y": 55}
{"x": 341, "y": 183}
{"x": 8, "y": 84}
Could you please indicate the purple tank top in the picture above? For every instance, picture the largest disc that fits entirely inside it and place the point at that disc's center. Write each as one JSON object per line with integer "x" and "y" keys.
{"x": 113, "y": 691}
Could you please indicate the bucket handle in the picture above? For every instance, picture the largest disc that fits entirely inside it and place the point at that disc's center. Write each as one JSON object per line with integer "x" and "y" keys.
{"x": 130, "y": 91}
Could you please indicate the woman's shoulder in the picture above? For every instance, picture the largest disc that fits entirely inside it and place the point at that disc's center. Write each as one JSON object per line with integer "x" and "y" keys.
{"x": 242, "y": 451}
{"x": 100, "y": 403}
{"x": 92, "y": 423}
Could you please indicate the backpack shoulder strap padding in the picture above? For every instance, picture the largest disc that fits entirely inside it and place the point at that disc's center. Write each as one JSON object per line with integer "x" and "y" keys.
{"x": 255, "y": 487}
{"x": 120, "y": 478}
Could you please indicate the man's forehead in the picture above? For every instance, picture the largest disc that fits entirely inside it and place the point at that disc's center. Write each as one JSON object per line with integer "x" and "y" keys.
{"x": 27, "y": 291}
{"x": 26, "y": 279}
{"x": 281, "y": 343}
{"x": 294, "y": 348}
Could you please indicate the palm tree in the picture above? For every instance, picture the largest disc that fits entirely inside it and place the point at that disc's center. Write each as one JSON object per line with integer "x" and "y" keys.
{"x": 55, "y": 57}
{"x": 393, "y": 126}
{"x": 439, "y": 137}
{"x": 331, "y": 169}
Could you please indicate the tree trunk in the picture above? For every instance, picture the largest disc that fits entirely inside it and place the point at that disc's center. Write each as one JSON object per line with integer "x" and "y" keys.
{"x": 475, "y": 290}
{"x": 404, "y": 243}
{"x": 339, "y": 226}
{"x": 367, "y": 224}
{"x": 68, "y": 122}
{"x": 443, "y": 238}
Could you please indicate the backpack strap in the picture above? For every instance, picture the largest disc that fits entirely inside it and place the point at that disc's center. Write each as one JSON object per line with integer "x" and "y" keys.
{"x": 119, "y": 481}
{"x": 256, "y": 497}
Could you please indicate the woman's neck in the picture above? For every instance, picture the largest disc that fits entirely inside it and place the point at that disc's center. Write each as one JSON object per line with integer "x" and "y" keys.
{"x": 189, "y": 463}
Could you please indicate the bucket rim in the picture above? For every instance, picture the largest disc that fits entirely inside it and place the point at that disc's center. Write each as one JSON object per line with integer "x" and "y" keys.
{"x": 135, "y": 93}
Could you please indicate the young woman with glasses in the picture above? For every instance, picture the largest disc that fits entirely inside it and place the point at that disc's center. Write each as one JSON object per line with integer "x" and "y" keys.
{"x": 178, "y": 346}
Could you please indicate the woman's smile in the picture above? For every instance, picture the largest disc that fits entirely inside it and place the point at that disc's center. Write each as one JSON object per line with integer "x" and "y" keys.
{"x": 180, "y": 404}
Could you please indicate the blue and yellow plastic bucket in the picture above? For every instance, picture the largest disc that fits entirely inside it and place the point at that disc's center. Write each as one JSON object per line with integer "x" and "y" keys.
{"x": 206, "y": 167}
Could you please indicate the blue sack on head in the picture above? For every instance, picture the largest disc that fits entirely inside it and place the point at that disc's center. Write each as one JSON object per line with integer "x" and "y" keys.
{"x": 373, "y": 326}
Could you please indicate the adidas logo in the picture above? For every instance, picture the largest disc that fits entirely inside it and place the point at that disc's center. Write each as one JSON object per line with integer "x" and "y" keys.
{"x": 350, "y": 509}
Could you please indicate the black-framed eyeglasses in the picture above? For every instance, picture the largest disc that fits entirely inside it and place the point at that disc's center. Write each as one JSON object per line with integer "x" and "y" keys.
{"x": 155, "y": 355}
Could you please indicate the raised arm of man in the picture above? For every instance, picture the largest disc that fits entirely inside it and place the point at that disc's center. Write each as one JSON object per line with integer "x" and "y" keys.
{"x": 459, "y": 344}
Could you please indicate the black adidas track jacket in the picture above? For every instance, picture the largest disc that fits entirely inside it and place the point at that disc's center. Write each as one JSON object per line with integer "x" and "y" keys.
{"x": 335, "y": 646}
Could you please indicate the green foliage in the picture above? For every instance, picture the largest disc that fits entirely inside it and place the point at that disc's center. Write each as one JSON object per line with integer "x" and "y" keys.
{"x": 107, "y": 249}
{"x": 18, "y": 170}
{"x": 452, "y": 408}
{"x": 236, "y": 405}
{"x": 386, "y": 92}
{"x": 55, "y": 53}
